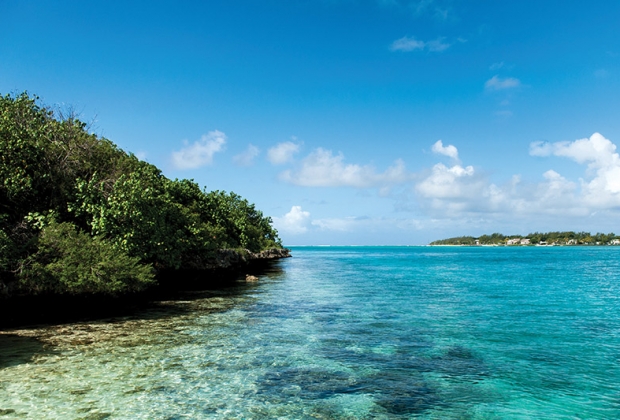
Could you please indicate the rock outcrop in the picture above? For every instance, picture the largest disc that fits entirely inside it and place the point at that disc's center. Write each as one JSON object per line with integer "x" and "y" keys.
{"x": 232, "y": 258}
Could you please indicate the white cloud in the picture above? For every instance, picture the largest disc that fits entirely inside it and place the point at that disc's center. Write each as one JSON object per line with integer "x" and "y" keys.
{"x": 448, "y": 150}
{"x": 461, "y": 191}
{"x": 201, "y": 152}
{"x": 297, "y": 224}
{"x": 496, "y": 66}
{"x": 599, "y": 153}
{"x": 246, "y": 158}
{"x": 437, "y": 45}
{"x": 407, "y": 44}
{"x": 324, "y": 169}
{"x": 294, "y": 222}
{"x": 499, "y": 83}
{"x": 282, "y": 153}
{"x": 555, "y": 186}
{"x": 453, "y": 182}
{"x": 411, "y": 44}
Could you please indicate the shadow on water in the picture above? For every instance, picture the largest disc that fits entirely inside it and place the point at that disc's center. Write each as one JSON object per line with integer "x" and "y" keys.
{"x": 134, "y": 324}
{"x": 16, "y": 349}
{"x": 169, "y": 299}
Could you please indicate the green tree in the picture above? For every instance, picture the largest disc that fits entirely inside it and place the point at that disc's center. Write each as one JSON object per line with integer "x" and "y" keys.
{"x": 69, "y": 261}
{"x": 58, "y": 179}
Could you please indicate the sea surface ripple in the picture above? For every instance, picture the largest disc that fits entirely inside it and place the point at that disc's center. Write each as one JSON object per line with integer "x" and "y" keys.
{"x": 346, "y": 333}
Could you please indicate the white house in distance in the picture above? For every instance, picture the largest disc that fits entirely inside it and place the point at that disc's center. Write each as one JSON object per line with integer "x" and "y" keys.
{"x": 518, "y": 241}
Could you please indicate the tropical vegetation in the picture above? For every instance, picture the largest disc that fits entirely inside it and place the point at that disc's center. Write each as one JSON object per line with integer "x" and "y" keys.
{"x": 79, "y": 215}
{"x": 536, "y": 238}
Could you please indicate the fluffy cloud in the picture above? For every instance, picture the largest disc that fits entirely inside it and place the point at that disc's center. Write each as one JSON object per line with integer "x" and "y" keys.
{"x": 324, "y": 169}
{"x": 450, "y": 182}
{"x": 294, "y": 222}
{"x": 599, "y": 153}
{"x": 462, "y": 191}
{"x": 499, "y": 83}
{"x": 448, "y": 150}
{"x": 201, "y": 152}
{"x": 596, "y": 151}
{"x": 282, "y": 153}
{"x": 411, "y": 44}
{"x": 246, "y": 158}
{"x": 450, "y": 194}
{"x": 452, "y": 191}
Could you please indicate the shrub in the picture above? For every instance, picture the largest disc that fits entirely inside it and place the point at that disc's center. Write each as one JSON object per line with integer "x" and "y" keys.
{"x": 70, "y": 261}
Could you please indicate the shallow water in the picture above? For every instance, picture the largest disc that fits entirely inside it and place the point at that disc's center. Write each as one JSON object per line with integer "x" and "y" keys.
{"x": 346, "y": 333}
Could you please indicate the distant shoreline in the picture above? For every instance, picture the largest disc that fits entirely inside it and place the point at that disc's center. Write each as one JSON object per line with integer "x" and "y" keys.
{"x": 567, "y": 238}
{"x": 522, "y": 246}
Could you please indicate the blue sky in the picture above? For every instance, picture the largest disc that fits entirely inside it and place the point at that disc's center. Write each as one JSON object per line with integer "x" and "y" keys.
{"x": 350, "y": 122}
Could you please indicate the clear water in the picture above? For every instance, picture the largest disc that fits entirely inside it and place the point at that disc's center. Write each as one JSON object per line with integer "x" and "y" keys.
{"x": 347, "y": 333}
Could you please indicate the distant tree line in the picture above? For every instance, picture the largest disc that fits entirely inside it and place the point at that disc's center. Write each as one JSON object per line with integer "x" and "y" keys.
{"x": 548, "y": 238}
{"x": 79, "y": 215}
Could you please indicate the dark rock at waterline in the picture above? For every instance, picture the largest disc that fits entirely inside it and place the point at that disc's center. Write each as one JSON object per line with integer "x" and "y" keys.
{"x": 226, "y": 270}
{"x": 232, "y": 258}
{"x": 226, "y": 267}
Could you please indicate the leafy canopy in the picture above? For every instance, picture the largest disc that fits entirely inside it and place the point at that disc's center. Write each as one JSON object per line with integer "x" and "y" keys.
{"x": 80, "y": 215}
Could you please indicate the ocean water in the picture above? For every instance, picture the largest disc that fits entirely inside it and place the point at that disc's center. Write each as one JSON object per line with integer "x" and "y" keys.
{"x": 346, "y": 333}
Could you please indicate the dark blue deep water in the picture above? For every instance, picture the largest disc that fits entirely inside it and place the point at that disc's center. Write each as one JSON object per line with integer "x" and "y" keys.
{"x": 347, "y": 333}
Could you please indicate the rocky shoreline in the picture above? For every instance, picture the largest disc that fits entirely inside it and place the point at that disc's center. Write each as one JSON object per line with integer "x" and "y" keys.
{"x": 227, "y": 268}
{"x": 232, "y": 258}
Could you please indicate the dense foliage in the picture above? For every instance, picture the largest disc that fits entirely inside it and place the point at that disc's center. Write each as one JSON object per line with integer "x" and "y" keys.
{"x": 79, "y": 215}
{"x": 547, "y": 238}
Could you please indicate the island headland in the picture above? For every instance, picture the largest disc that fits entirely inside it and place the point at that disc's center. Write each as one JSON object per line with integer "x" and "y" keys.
{"x": 82, "y": 220}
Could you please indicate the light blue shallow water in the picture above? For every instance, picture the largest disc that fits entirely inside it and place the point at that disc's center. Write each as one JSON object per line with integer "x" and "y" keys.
{"x": 347, "y": 333}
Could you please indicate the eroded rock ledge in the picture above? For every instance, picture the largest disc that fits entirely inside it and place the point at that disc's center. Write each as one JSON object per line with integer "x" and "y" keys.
{"x": 232, "y": 258}
{"x": 225, "y": 268}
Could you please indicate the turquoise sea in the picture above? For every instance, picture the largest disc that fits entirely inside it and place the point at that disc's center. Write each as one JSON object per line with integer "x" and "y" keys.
{"x": 346, "y": 333}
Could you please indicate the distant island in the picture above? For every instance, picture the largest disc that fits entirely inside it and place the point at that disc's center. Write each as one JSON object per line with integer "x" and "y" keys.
{"x": 532, "y": 239}
{"x": 79, "y": 217}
